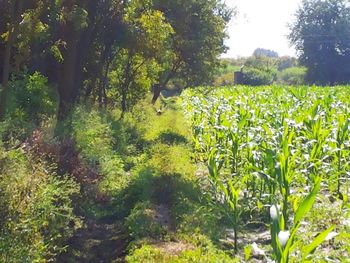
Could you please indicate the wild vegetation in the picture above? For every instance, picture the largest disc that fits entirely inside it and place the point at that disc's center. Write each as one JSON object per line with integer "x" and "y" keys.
{"x": 110, "y": 52}
{"x": 94, "y": 167}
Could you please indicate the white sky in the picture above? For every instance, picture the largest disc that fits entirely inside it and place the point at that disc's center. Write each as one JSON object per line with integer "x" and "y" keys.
{"x": 260, "y": 24}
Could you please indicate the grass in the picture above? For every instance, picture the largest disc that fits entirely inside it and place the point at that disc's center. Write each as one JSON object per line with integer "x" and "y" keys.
{"x": 145, "y": 173}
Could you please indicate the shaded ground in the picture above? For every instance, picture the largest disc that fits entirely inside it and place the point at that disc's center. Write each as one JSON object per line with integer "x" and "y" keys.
{"x": 99, "y": 241}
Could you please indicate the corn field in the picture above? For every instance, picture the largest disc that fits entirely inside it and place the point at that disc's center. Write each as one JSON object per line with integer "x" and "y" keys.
{"x": 286, "y": 149}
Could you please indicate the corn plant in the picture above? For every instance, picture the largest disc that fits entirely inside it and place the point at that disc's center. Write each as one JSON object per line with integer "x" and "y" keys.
{"x": 231, "y": 193}
{"x": 270, "y": 144}
{"x": 282, "y": 240}
{"x": 342, "y": 135}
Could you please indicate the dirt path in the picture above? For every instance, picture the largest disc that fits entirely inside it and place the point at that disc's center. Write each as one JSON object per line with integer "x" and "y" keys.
{"x": 99, "y": 241}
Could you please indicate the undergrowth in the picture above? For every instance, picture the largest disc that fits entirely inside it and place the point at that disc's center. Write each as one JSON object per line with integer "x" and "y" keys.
{"x": 138, "y": 170}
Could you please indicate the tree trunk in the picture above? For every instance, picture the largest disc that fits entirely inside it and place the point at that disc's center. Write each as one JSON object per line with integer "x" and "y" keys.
{"x": 157, "y": 89}
{"x": 124, "y": 105}
{"x": 67, "y": 88}
{"x": 13, "y": 32}
{"x": 85, "y": 46}
{"x": 104, "y": 84}
{"x": 125, "y": 84}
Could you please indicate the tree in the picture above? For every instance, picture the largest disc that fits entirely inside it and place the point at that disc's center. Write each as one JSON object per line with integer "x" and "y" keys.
{"x": 197, "y": 43}
{"x": 321, "y": 35}
{"x": 286, "y": 62}
{"x": 262, "y": 63}
{"x": 138, "y": 59}
{"x": 261, "y": 52}
{"x": 111, "y": 49}
{"x": 16, "y": 7}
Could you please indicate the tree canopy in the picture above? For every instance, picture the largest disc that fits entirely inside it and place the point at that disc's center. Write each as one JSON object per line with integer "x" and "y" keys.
{"x": 262, "y": 52}
{"x": 321, "y": 35}
{"x": 111, "y": 51}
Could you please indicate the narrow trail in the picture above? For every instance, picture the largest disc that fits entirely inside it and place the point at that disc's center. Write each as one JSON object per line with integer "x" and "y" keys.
{"x": 99, "y": 241}
{"x": 105, "y": 239}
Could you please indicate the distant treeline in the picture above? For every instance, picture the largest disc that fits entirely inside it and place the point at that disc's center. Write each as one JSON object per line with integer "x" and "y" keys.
{"x": 264, "y": 67}
{"x": 321, "y": 35}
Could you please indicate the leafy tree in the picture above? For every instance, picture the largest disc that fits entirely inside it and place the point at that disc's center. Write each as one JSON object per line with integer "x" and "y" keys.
{"x": 321, "y": 35}
{"x": 257, "y": 77}
{"x": 286, "y": 62}
{"x": 197, "y": 43}
{"x": 292, "y": 76}
{"x": 110, "y": 49}
{"x": 137, "y": 64}
{"x": 263, "y": 63}
{"x": 15, "y": 10}
{"x": 261, "y": 52}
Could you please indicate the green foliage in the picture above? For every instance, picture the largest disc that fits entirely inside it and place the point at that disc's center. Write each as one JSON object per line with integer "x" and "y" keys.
{"x": 283, "y": 251}
{"x": 176, "y": 159}
{"x": 198, "y": 249}
{"x": 196, "y": 44}
{"x": 205, "y": 217}
{"x": 123, "y": 48}
{"x": 36, "y": 209}
{"x": 319, "y": 34}
{"x": 31, "y": 98}
{"x": 77, "y": 16}
{"x": 92, "y": 133}
{"x": 257, "y": 77}
{"x": 262, "y": 69}
{"x": 286, "y": 62}
{"x": 94, "y": 137}
{"x": 268, "y": 145}
{"x": 135, "y": 82}
{"x": 225, "y": 79}
{"x": 229, "y": 188}
{"x": 144, "y": 222}
{"x": 292, "y": 76}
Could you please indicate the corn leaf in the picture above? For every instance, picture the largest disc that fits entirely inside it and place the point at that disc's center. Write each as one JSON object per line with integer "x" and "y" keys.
{"x": 307, "y": 203}
{"x": 316, "y": 242}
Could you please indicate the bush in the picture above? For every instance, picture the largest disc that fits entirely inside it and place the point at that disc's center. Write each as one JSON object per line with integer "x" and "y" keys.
{"x": 31, "y": 98}
{"x": 143, "y": 222}
{"x": 257, "y": 77}
{"x": 31, "y": 103}
{"x": 92, "y": 134}
{"x": 225, "y": 79}
{"x": 36, "y": 211}
{"x": 198, "y": 250}
{"x": 206, "y": 218}
{"x": 292, "y": 76}
{"x": 94, "y": 138}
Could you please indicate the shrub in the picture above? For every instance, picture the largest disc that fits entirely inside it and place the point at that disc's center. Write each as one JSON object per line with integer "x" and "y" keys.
{"x": 94, "y": 138}
{"x": 35, "y": 207}
{"x": 92, "y": 134}
{"x": 31, "y": 98}
{"x": 225, "y": 79}
{"x": 191, "y": 217}
{"x": 143, "y": 222}
{"x": 292, "y": 76}
{"x": 257, "y": 77}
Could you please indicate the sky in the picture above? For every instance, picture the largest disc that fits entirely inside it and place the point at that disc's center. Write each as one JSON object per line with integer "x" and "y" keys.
{"x": 260, "y": 24}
